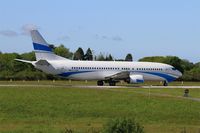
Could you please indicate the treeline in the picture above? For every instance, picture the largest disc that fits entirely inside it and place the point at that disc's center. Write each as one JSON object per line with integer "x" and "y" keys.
{"x": 14, "y": 70}
{"x": 88, "y": 55}
{"x": 191, "y": 71}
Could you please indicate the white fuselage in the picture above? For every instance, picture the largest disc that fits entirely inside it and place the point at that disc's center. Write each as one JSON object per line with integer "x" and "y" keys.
{"x": 112, "y": 71}
{"x": 109, "y": 71}
{"x": 99, "y": 70}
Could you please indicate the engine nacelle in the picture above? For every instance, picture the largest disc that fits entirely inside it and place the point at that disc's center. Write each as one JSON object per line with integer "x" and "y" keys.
{"x": 134, "y": 79}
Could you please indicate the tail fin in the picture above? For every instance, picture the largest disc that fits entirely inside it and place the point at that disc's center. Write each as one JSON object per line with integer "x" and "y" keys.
{"x": 42, "y": 49}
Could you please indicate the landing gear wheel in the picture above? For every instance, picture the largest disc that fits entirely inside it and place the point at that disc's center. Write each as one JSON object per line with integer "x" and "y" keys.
{"x": 100, "y": 83}
{"x": 165, "y": 83}
{"x": 112, "y": 83}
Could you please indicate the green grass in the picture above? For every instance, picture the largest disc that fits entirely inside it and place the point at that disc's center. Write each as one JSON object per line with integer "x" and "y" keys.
{"x": 41, "y": 109}
{"x": 167, "y": 92}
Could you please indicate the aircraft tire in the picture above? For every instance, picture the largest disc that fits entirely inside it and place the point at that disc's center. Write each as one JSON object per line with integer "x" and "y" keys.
{"x": 100, "y": 83}
{"x": 165, "y": 83}
{"x": 112, "y": 83}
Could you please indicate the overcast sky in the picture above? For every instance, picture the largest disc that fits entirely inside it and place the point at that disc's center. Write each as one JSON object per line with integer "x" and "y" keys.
{"x": 142, "y": 27}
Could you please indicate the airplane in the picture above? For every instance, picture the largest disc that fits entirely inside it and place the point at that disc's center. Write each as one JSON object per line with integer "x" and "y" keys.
{"x": 109, "y": 72}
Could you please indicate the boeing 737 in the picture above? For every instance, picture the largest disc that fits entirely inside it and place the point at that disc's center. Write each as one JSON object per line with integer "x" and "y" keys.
{"x": 102, "y": 71}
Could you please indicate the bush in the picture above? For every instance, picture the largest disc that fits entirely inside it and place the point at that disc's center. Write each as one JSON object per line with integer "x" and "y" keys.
{"x": 67, "y": 130}
{"x": 123, "y": 125}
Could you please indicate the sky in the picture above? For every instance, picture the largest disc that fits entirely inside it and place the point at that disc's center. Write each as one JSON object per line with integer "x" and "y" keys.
{"x": 140, "y": 27}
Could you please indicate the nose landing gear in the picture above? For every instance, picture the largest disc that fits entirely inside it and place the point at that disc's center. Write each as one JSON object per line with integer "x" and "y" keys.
{"x": 165, "y": 83}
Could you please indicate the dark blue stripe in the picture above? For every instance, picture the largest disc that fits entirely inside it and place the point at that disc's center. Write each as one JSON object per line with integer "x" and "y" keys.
{"x": 139, "y": 81}
{"x": 66, "y": 74}
{"x": 41, "y": 47}
{"x": 165, "y": 76}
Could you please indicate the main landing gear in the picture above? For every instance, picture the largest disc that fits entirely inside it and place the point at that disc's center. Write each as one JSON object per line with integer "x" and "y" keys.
{"x": 100, "y": 83}
{"x": 110, "y": 82}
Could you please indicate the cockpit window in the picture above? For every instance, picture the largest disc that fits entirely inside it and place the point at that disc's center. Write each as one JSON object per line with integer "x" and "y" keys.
{"x": 173, "y": 68}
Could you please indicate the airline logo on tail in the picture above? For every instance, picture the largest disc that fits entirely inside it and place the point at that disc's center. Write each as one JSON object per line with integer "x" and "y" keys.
{"x": 39, "y": 43}
{"x": 41, "y": 47}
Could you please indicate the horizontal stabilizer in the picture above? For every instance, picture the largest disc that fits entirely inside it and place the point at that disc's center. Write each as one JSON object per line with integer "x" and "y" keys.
{"x": 25, "y": 61}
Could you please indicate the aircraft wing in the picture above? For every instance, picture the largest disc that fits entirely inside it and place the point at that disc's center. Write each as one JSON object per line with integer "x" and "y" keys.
{"x": 120, "y": 75}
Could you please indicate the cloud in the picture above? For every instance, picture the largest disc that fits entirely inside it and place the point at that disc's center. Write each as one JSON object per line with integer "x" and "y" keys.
{"x": 25, "y": 30}
{"x": 117, "y": 38}
{"x": 64, "y": 38}
{"x": 8, "y": 33}
{"x": 96, "y": 36}
{"x": 104, "y": 37}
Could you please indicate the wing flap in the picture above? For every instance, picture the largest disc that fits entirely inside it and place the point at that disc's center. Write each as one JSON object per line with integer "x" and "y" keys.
{"x": 120, "y": 75}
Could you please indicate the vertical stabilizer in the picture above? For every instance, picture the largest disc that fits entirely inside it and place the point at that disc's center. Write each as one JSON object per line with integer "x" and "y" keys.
{"x": 42, "y": 49}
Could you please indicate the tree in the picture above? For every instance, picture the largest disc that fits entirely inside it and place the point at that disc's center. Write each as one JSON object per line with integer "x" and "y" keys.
{"x": 160, "y": 59}
{"x": 129, "y": 57}
{"x": 175, "y": 62}
{"x": 192, "y": 74}
{"x": 100, "y": 57}
{"x": 28, "y": 56}
{"x": 79, "y": 54}
{"x": 88, "y": 55}
{"x": 171, "y": 60}
{"x": 187, "y": 65}
{"x": 109, "y": 58}
{"x": 62, "y": 51}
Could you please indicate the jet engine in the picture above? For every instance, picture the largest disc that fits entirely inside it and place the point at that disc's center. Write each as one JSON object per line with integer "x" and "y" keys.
{"x": 134, "y": 79}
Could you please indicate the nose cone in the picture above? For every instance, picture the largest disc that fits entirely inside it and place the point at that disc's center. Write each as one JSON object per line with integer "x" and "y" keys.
{"x": 178, "y": 73}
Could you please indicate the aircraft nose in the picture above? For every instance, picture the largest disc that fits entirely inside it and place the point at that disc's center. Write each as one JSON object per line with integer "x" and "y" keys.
{"x": 179, "y": 74}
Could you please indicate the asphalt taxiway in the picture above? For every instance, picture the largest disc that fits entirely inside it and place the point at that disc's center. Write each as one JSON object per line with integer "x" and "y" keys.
{"x": 94, "y": 86}
{"x": 159, "y": 87}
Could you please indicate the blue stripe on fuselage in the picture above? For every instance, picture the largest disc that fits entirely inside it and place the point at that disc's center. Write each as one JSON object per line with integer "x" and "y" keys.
{"x": 38, "y": 46}
{"x": 139, "y": 81}
{"x": 66, "y": 74}
{"x": 169, "y": 78}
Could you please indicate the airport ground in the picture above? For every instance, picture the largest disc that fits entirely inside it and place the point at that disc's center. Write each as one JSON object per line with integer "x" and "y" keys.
{"x": 53, "y": 106}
